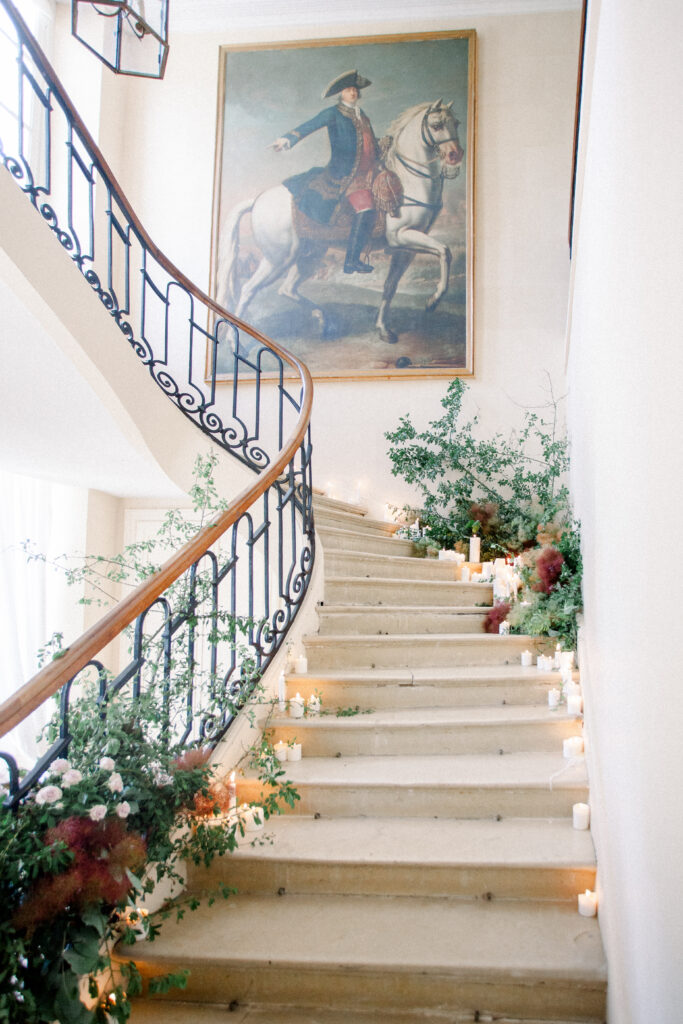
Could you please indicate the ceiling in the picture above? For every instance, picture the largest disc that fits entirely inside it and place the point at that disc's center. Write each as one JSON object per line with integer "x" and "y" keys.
{"x": 216, "y": 15}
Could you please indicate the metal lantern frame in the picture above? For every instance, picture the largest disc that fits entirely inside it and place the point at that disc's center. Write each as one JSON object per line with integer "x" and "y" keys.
{"x": 127, "y": 18}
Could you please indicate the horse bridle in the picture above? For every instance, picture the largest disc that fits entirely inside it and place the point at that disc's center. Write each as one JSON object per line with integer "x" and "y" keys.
{"x": 431, "y": 143}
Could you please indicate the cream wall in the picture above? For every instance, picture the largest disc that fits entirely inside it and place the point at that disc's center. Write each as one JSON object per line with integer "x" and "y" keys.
{"x": 625, "y": 375}
{"x": 526, "y": 90}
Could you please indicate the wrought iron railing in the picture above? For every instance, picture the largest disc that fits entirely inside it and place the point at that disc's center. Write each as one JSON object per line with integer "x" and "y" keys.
{"x": 254, "y": 561}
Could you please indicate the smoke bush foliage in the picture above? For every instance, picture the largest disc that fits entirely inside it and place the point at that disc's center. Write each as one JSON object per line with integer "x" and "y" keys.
{"x": 458, "y": 472}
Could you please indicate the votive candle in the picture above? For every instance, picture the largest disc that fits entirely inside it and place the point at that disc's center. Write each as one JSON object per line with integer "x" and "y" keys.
{"x": 296, "y": 707}
{"x": 581, "y": 817}
{"x": 527, "y": 659}
{"x": 553, "y": 698}
{"x": 588, "y": 903}
{"x": 572, "y": 747}
{"x": 574, "y": 704}
{"x": 302, "y": 664}
{"x": 280, "y": 750}
{"x": 294, "y": 752}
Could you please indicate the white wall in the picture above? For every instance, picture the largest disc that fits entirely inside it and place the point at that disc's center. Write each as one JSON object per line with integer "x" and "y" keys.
{"x": 625, "y": 374}
{"x": 526, "y": 91}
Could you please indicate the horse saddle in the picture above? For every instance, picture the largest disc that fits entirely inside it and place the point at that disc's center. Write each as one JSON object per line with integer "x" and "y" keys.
{"x": 387, "y": 194}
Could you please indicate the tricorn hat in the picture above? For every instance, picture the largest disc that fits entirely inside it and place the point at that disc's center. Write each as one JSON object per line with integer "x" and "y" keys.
{"x": 346, "y": 81}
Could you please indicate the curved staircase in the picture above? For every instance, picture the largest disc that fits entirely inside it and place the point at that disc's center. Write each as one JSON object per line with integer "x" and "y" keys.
{"x": 430, "y": 871}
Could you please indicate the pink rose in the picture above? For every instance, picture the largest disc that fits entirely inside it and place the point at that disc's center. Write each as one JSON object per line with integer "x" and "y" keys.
{"x": 115, "y": 782}
{"x": 48, "y": 795}
{"x": 123, "y": 809}
{"x": 107, "y": 764}
{"x": 97, "y": 812}
{"x": 71, "y": 777}
{"x": 60, "y": 766}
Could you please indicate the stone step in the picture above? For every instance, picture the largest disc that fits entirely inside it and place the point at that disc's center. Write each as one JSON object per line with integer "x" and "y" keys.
{"x": 387, "y": 566}
{"x": 386, "y": 619}
{"x": 349, "y": 521}
{"x": 364, "y": 590}
{"x": 393, "y": 952}
{"x": 407, "y": 731}
{"x": 516, "y": 859}
{"x": 335, "y": 539}
{"x": 520, "y": 785}
{"x": 414, "y": 649}
{"x": 147, "y": 1011}
{"x": 470, "y": 685}
{"x": 322, "y": 503}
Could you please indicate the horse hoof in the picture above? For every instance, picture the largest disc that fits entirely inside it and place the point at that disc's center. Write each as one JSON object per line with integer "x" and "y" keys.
{"x": 389, "y": 336}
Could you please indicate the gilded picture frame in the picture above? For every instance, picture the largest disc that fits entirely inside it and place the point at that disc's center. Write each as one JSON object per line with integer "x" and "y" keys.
{"x": 343, "y": 226}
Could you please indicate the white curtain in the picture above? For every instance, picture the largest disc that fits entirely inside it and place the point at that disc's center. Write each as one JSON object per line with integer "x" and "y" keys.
{"x": 35, "y": 600}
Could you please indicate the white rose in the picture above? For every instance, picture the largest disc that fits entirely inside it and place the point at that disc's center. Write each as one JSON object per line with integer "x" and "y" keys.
{"x": 123, "y": 809}
{"x": 71, "y": 777}
{"x": 60, "y": 766}
{"x": 97, "y": 812}
{"x": 107, "y": 764}
{"x": 48, "y": 795}
{"x": 115, "y": 782}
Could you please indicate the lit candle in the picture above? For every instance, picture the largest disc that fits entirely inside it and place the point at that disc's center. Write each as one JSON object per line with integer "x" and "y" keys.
{"x": 588, "y": 903}
{"x": 527, "y": 659}
{"x": 574, "y": 703}
{"x": 581, "y": 817}
{"x": 296, "y": 707}
{"x": 571, "y": 689}
{"x": 294, "y": 752}
{"x": 476, "y": 577}
{"x": 504, "y": 628}
{"x": 232, "y": 794}
{"x": 558, "y": 652}
{"x": 475, "y": 549}
{"x": 281, "y": 693}
{"x": 314, "y": 705}
{"x": 567, "y": 660}
{"x": 572, "y": 747}
{"x": 281, "y": 750}
{"x": 252, "y": 818}
{"x": 553, "y": 698}
{"x": 302, "y": 664}
{"x": 465, "y": 574}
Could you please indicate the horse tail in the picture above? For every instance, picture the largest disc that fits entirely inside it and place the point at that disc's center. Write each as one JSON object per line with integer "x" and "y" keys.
{"x": 229, "y": 271}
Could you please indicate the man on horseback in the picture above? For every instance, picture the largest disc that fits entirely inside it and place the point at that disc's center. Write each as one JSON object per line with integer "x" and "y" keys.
{"x": 354, "y": 161}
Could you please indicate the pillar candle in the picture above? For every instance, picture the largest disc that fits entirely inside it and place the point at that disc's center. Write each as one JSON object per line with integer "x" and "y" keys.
{"x": 294, "y": 752}
{"x": 588, "y": 903}
{"x": 232, "y": 794}
{"x": 527, "y": 659}
{"x": 296, "y": 707}
{"x": 465, "y": 574}
{"x": 581, "y": 817}
{"x": 487, "y": 570}
{"x": 558, "y": 652}
{"x": 572, "y": 747}
{"x": 574, "y": 704}
{"x": 280, "y": 750}
{"x": 281, "y": 692}
{"x": 567, "y": 660}
{"x": 475, "y": 549}
{"x": 553, "y": 698}
{"x": 302, "y": 664}
{"x": 504, "y": 628}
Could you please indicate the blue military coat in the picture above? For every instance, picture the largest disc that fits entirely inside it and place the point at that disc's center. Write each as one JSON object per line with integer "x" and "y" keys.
{"x": 317, "y": 192}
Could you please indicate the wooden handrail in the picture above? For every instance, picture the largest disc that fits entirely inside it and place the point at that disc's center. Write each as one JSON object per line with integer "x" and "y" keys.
{"x": 50, "y": 679}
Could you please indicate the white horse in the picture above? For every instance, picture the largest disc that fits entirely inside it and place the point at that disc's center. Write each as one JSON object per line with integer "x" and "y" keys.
{"x": 424, "y": 150}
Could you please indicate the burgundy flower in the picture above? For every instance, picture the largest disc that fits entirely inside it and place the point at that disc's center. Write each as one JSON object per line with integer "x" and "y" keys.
{"x": 495, "y": 616}
{"x": 548, "y": 568}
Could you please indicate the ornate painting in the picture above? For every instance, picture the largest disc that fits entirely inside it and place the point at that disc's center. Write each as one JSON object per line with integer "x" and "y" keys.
{"x": 343, "y": 201}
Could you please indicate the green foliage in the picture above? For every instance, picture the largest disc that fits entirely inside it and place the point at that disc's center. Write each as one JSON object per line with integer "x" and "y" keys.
{"x": 554, "y": 614}
{"x": 131, "y": 804}
{"x": 514, "y": 483}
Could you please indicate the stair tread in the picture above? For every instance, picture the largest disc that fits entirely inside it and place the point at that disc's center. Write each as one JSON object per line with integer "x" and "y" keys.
{"x": 322, "y": 502}
{"x": 151, "y": 1012}
{"x": 550, "y": 842}
{"x": 391, "y": 639}
{"x": 415, "y": 718}
{"x": 427, "y": 674}
{"x": 398, "y": 934}
{"x": 419, "y": 609}
{"x": 451, "y": 771}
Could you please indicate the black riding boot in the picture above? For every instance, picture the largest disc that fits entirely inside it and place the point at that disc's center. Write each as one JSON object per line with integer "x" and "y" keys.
{"x": 361, "y": 229}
